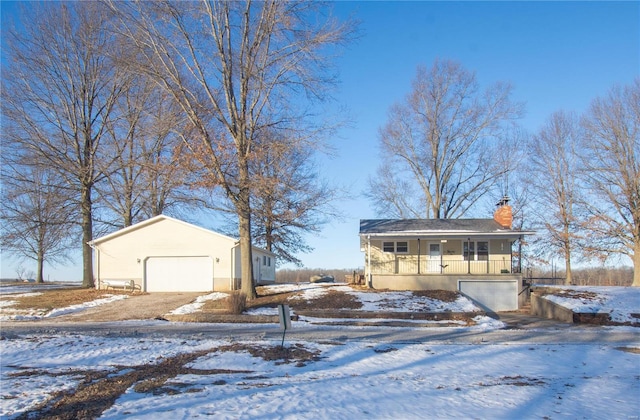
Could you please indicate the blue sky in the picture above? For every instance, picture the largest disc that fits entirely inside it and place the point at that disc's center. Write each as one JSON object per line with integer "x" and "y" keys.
{"x": 557, "y": 55}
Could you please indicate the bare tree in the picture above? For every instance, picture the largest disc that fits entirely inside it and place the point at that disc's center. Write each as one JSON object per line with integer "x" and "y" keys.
{"x": 236, "y": 69}
{"x": 553, "y": 168}
{"x": 288, "y": 195}
{"x": 59, "y": 89}
{"x": 289, "y": 198}
{"x": 142, "y": 179}
{"x": 438, "y": 145}
{"x": 37, "y": 216}
{"x": 611, "y": 171}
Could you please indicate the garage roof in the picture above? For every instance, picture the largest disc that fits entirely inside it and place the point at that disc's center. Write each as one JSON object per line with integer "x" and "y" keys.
{"x": 160, "y": 218}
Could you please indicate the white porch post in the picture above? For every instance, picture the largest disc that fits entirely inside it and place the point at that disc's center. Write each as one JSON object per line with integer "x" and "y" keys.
{"x": 370, "y": 276}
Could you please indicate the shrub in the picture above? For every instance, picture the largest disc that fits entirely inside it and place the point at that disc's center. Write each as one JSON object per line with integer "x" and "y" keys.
{"x": 237, "y": 302}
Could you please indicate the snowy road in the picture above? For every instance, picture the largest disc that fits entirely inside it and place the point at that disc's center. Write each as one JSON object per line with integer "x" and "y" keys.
{"x": 551, "y": 333}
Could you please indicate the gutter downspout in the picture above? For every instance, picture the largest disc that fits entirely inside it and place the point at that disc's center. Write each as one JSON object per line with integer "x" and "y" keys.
{"x": 97, "y": 266}
{"x": 231, "y": 269}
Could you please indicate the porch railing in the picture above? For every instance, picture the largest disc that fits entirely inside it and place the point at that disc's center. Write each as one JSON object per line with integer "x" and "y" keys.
{"x": 408, "y": 265}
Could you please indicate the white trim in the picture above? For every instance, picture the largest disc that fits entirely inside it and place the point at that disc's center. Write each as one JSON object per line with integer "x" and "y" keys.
{"x": 152, "y": 221}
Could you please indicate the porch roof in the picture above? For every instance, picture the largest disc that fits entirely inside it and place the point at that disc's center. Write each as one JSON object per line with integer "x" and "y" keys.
{"x": 435, "y": 228}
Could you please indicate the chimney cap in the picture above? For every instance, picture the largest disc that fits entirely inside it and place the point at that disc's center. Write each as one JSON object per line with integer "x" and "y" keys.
{"x": 503, "y": 201}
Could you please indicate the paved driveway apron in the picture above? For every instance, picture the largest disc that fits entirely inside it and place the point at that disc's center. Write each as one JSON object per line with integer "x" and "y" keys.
{"x": 148, "y": 306}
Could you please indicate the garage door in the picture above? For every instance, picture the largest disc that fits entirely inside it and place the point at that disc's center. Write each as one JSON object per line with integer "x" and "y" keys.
{"x": 179, "y": 274}
{"x": 493, "y": 295}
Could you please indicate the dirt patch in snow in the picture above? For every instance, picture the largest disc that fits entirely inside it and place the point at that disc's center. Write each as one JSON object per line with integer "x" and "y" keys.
{"x": 574, "y": 294}
{"x": 443, "y": 295}
{"x": 333, "y": 299}
{"x": 97, "y": 391}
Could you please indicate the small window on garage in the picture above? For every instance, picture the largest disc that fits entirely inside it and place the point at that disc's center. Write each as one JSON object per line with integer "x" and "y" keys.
{"x": 388, "y": 246}
{"x": 402, "y": 247}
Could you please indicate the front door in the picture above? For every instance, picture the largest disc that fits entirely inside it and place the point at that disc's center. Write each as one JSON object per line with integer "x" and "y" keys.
{"x": 435, "y": 258}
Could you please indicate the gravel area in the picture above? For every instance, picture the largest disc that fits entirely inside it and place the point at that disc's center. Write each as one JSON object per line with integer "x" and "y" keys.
{"x": 141, "y": 306}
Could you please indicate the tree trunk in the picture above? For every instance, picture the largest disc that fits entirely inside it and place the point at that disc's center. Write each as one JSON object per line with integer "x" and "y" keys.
{"x": 243, "y": 207}
{"x": 39, "y": 274}
{"x": 636, "y": 266}
{"x": 87, "y": 236}
{"x": 246, "y": 257}
{"x": 567, "y": 264}
{"x": 567, "y": 258}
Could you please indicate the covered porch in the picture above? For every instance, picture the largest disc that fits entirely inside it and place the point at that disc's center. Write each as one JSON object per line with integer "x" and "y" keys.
{"x": 443, "y": 256}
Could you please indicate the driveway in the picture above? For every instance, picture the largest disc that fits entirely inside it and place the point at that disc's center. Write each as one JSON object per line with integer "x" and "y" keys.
{"x": 147, "y": 306}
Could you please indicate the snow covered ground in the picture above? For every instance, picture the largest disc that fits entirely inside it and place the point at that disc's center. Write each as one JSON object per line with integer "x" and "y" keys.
{"x": 349, "y": 379}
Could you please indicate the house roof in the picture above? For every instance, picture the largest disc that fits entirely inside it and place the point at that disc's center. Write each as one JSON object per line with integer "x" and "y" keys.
{"x": 435, "y": 227}
{"x": 160, "y": 218}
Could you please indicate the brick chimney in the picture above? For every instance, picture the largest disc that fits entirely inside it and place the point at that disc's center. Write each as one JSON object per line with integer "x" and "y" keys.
{"x": 503, "y": 214}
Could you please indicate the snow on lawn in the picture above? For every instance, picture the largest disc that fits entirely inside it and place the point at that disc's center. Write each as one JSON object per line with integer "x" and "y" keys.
{"x": 376, "y": 302}
{"x": 619, "y": 302}
{"x": 12, "y": 314}
{"x": 198, "y": 303}
{"x": 348, "y": 380}
{"x": 12, "y": 291}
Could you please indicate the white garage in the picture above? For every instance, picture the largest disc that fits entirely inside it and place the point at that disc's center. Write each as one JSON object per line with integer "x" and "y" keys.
{"x": 178, "y": 274}
{"x": 164, "y": 254}
{"x": 493, "y": 295}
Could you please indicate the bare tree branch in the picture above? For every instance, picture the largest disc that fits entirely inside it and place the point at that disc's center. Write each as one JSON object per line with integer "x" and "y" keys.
{"x": 440, "y": 139}
{"x": 611, "y": 169}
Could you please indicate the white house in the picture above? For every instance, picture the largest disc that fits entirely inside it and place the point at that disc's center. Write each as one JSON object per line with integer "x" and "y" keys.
{"x": 163, "y": 254}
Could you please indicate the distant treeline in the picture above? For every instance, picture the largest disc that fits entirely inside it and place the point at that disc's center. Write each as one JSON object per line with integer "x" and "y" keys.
{"x": 594, "y": 276}
{"x": 301, "y": 275}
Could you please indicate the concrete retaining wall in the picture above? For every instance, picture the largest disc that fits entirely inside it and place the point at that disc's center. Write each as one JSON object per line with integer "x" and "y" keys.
{"x": 546, "y": 309}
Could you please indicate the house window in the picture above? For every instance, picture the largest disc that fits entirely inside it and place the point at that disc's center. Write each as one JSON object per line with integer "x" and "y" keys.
{"x": 483, "y": 251}
{"x": 266, "y": 261}
{"x": 476, "y": 251}
{"x": 469, "y": 250}
{"x": 401, "y": 247}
